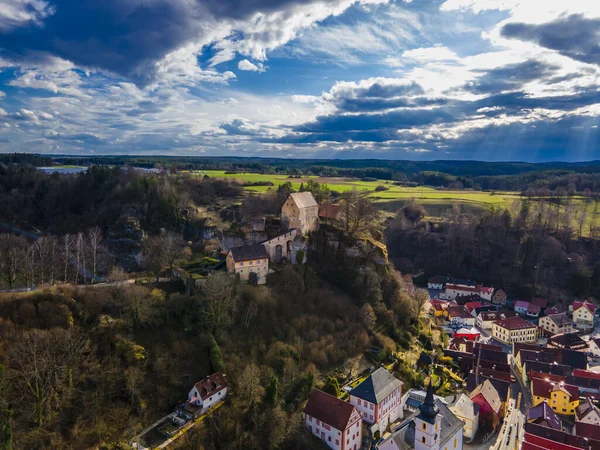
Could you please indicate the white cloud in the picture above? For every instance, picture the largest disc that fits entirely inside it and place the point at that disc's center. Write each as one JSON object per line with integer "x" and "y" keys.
{"x": 249, "y": 66}
{"x": 16, "y": 13}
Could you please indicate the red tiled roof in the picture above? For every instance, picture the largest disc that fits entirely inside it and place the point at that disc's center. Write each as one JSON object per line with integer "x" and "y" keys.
{"x": 591, "y": 308}
{"x": 329, "y": 211}
{"x": 533, "y": 309}
{"x": 211, "y": 385}
{"x": 537, "y": 442}
{"x": 472, "y": 305}
{"x": 541, "y": 302}
{"x": 514, "y": 323}
{"x": 587, "y": 430}
{"x": 543, "y": 388}
{"x": 586, "y": 374}
{"x": 328, "y": 409}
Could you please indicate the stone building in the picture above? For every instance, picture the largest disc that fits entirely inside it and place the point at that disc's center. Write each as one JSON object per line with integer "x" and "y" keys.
{"x": 301, "y": 211}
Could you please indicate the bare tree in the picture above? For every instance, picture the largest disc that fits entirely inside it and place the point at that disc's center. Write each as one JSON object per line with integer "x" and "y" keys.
{"x": 95, "y": 239}
{"x": 357, "y": 212}
{"x": 163, "y": 251}
{"x": 67, "y": 248}
{"x": 12, "y": 250}
{"x": 220, "y": 297}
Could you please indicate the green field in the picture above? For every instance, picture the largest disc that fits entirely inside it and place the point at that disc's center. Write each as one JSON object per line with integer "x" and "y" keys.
{"x": 436, "y": 201}
{"x": 425, "y": 195}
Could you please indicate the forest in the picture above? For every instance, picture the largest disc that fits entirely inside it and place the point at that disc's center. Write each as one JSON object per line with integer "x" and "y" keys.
{"x": 87, "y": 365}
{"x": 484, "y": 175}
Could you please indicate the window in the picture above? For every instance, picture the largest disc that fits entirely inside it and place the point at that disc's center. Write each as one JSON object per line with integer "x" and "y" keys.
{"x": 424, "y": 427}
{"x": 454, "y": 442}
{"x": 423, "y": 439}
{"x": 337, "y": 442}
{"x": 329, "y": 439}
{"x": 371, "y": 406}
{"x": 310, "y": 418}
{"x": 359, "y": 403}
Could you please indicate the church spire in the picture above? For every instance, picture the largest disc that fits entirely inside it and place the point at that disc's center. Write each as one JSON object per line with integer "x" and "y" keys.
{"x": 429, "y": 410}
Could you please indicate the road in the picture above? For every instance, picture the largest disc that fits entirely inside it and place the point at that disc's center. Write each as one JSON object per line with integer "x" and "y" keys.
{"x": 511, "y": 433}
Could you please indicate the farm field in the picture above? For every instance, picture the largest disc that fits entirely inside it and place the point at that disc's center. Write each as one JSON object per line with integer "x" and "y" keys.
{"x": 424, "y": 194}
{"x": 436, "y": 201}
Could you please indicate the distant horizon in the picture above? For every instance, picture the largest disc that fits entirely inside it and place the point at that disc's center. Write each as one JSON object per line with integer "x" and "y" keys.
{"x": 284, "y": 158}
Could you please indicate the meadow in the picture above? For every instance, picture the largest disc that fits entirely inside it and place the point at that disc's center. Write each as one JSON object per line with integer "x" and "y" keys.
{"x": 394, "y": 196}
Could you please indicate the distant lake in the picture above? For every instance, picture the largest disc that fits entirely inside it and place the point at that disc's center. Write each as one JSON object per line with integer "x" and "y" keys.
{"x": 62, "y": 169}
{"x": 79, "y": 169}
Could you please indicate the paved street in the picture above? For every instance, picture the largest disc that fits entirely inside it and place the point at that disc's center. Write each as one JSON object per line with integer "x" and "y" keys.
{"x": 512, "y": 428}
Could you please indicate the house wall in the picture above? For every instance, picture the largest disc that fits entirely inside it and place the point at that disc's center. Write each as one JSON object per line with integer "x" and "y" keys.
{"x": 592, "y": 418}
{"x": 209, "y": 401}
{"x": 367, "y": 410}
{"x": 387, "y": 411}
{"x": 348, "y": 439}
{"x": 305, "y": 219}
{"x": 510, "y": 336}
{"x": 559, "y": 402}
{"x": 583, "y": 317}
{"x": 436, "y": 286}
{"x": 471, "y": 423}
{"x": 484, "y": 324}
{"x": 290, "y": 236}
{"x": 244, "y": 268}
{"x": 485, "y": 410}
{"x": 550, "y": 326}
{"x": 594, "y": 349}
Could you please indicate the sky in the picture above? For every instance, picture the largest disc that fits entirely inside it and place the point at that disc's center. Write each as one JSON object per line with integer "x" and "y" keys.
{"x": 491, "y": 80}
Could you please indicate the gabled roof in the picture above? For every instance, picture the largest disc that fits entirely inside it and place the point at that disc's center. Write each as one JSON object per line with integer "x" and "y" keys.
{"x": 560, "y": 319}
{"x": 543, "y": 412}
{"x": 465, "y": 406}
{"x": 586, "y": 408}
{"x": 585, "y": 304}
{"x": 596, "y": 341}
{"x": 533, "y": 309}
{"x": 329, "y": 409}
{"x": 514, "y": 323}
{"x": 211, "y": 385}
{"x": 543, "y": 388}
{"x": 377, "y": 386}
{"x": 567, "y": 340}
{"x": 521, "y": 304}
{"x": 490, "y": 394}
{"x": 249, "y": 252}
{"x": 303, "y": 199}
{"x": 458, "y": 312}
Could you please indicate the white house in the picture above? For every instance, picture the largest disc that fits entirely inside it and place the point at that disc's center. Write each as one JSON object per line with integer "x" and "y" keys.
{"x": 587, "y": 412}
{"x": 595, "y": 347}
{"x": 556, "y": 324}
{"x": 334, "y": 421}
{"x": 436, "y": 427}
{"x": 460, "y": 317}
{"x": 485, "y": 319}
{"x": 583, "y": 314}
{"x": 454, "y": 289}
{"x": 205, "y": 393}
{"x": 378, "y": 399}
{"x": 468, "y": 412}
{"x": 436, "y": 283}
{"x": 521, "y": 307}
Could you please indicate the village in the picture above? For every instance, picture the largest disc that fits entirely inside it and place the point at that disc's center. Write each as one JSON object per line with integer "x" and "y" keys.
{"x": 512, "y": 373}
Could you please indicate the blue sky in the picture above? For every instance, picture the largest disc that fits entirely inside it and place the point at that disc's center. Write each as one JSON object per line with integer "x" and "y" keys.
{"x": 496, "y": 80}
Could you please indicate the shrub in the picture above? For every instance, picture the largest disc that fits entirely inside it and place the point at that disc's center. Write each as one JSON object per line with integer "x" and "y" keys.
{"x": 216, "y": 358}
{"x": 381, "y": 187}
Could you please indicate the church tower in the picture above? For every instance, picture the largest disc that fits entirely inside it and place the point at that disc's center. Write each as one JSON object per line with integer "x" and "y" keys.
{"x": 428, "y": 424}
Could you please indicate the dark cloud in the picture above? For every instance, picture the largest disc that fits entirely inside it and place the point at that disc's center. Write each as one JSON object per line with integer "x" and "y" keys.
{"x": 511, "y": 77}
{"x": 124, "y": 37}
{"x": 239, "y": 127}
{"x": 574, "y": 36}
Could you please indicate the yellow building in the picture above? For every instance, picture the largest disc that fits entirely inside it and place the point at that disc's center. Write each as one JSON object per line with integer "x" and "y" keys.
{"x": 561, "y": 397}
{"x": 583, "y": 314}
{"x": 514, "y": 329}
{"x": 247, "y": 260}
